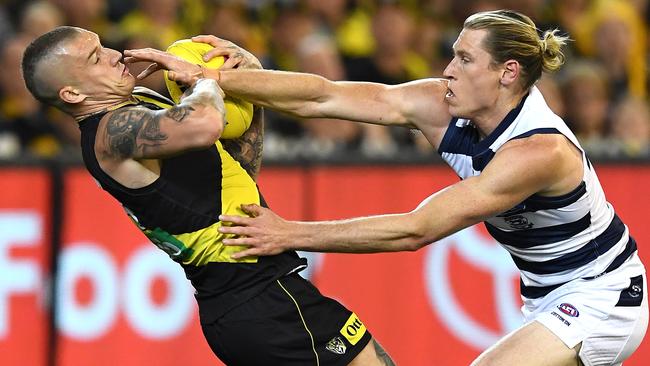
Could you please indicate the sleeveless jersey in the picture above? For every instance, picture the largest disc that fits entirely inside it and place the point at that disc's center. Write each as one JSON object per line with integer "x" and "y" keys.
{"x": 179, "y": 213}
{"x": 552, "y": 240}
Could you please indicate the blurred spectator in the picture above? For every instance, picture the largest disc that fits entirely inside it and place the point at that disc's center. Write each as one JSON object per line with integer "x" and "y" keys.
{"x": 349, "y": 23}
{"x": 41, "y": 131}
{"x": 585, "y": 97}
{"x": 389, "y": 41}
{"x": 552, "y": 94}
{"x": 229, "y": 21}
{"x": 153, "y": 23}
{"x": 631, "y": 128}
{"x": 6, "y": 29}
{"x": 393, "y": 62}
{"x": 40, "y": 17}
{"x": 430, "y": 44}
{"x": 90, "y": 14}
{"x": 615, "y": 35}
{"x": 317, "y": 54}
{"x": 289, "y": 28}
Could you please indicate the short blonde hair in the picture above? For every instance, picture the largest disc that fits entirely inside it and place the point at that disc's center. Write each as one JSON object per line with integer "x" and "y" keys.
{"x": 514, "y": 36}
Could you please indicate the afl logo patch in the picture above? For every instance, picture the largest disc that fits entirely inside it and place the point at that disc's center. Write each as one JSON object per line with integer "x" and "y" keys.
{"x": 568, "y": 309}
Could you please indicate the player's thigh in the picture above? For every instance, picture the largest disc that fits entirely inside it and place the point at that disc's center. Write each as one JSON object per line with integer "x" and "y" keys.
{"x": 531, "y": 345}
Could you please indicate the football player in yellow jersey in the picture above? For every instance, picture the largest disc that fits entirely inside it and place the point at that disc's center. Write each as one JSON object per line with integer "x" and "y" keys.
{"x": 165, "y": 164}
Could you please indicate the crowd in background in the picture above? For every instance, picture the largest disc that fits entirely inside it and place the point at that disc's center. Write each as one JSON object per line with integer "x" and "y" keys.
{"x": 601, "y": 92}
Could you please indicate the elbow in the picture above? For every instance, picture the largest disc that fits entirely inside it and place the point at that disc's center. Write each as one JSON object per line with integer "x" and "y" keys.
{"x": 316, "y": 99}
{"x": 309, "y": 109}
{"x": 419, "y": 235}
{"x": 212, "y": 125}
{"x": 416, "y": 243}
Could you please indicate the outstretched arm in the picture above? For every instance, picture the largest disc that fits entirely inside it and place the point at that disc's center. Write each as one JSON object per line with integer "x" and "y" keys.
{"x": 418, "y": 104}
{"x": 516, "y": 172}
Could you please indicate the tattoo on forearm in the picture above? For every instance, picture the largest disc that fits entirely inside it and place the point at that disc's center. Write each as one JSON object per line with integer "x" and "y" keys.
{"x": 247, "y": 149}
{"x": 382, "y": 355}
{"x": 130, "y": 131}
{"x": 178, "y": 113}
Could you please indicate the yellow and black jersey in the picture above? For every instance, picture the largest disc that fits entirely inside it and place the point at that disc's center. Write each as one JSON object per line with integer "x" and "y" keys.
{"x": 179, "y": 213}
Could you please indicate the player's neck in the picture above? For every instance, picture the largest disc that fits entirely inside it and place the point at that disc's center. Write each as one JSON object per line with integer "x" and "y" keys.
{"x": 488, "y": 120}
{"x": 90, "y": 108}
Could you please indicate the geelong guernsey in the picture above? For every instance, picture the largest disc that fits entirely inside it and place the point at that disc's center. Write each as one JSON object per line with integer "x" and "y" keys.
{"x": 179, "y": 213}
{"x": 552, "y": 240}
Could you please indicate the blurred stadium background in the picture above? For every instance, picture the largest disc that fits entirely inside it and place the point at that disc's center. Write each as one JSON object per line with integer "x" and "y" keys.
{"x": 80, "y": 286}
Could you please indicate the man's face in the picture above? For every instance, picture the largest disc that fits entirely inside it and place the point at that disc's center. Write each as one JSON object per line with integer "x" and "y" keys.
{"x": 473, "y": 80}
{"x": 95, "y": 71}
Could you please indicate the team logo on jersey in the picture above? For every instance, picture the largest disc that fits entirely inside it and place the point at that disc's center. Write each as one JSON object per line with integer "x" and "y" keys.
{"x": 568, "y": 309}
{"x": 518, "y": 222}
{"x": 336, "y": 345}
{"x": 635, "y": 291}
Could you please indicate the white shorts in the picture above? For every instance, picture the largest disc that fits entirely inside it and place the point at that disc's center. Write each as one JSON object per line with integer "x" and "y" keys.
{"x": 609, "y": 314}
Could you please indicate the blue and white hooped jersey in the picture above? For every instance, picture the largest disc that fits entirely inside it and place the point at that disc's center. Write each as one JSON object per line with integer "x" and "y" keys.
{"x": 552, "y": 240}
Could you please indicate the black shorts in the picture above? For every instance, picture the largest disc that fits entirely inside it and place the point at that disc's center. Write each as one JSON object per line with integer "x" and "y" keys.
{"x": 289, "y": 323}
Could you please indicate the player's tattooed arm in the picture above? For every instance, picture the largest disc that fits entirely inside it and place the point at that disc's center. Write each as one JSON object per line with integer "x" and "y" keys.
{"x": 382, "y": 354}
{"x": 130, "y": 132}
{"x": 247, "y": 149}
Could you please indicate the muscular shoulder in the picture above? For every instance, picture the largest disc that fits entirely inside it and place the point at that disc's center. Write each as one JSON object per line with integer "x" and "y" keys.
{"x": 549, "y": 162}
{"x": 540, "y": 146}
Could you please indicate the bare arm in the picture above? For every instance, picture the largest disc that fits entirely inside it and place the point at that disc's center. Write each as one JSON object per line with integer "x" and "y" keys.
{"x": 140, "y": 133}
{"x": 247, "y": 149}
{"x": 517, "y": 171}
{"x": 310, "y": 95}
{"x": 417, "y": 104}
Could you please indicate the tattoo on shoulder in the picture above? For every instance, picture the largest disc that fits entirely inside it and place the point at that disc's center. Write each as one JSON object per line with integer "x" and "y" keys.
{"x": 131, "y": 130}
{"x": 247, "y": 149}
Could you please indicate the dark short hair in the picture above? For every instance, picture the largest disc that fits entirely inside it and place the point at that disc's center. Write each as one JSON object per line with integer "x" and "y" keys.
{"x": 38, "y": 50}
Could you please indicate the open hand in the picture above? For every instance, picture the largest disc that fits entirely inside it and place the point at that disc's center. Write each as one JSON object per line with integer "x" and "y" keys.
{"x": 264, "y": 232}
{"x": 181, "y": 71}
{"x": 235, "y": 57}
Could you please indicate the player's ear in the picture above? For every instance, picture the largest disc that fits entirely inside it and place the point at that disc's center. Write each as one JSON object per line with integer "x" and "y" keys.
{"x": 510, "y": 72}
{"x": 71, "y": 95}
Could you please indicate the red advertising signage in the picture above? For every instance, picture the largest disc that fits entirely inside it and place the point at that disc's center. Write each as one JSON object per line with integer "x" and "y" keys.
{"x": 446, "y": 303}
{"x": 24, "y": 253}
{"x": 122, "y": 301}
